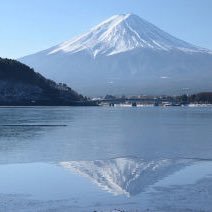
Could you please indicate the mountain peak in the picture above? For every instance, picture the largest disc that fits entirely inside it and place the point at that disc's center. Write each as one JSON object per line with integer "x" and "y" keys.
{"x": 117, "y": 20}
{"x": 121, "y": 33}
{"x": 121, "y": 17}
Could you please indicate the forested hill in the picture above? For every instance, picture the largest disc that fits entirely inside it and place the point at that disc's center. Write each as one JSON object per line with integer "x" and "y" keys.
{"x": 21, "y": 85}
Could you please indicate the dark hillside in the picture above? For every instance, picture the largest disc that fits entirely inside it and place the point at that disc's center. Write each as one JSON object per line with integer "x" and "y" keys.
{"x": 21, "y": 85}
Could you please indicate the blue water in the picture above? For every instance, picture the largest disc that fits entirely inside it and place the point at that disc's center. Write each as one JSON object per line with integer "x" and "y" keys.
{"x": 103, "y": 158}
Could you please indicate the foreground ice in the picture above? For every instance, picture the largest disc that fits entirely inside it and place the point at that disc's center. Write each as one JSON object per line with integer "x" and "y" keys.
{"x": 122, "y": 184}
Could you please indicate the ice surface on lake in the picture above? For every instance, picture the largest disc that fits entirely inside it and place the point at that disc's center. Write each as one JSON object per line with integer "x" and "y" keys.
{"x": 69, "y": 134}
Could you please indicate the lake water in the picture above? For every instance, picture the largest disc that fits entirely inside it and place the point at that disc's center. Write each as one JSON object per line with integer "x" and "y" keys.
{"x": 105, "y": 159}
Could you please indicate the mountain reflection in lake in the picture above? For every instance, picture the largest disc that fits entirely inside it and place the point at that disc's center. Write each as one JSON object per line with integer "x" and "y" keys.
{"x": 99, "y": 158}
{"x": 103, "y": 185}
{"x": 126, "y": 176}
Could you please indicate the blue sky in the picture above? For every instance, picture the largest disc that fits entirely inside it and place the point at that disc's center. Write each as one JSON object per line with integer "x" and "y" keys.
{"x": 28, "y": 26}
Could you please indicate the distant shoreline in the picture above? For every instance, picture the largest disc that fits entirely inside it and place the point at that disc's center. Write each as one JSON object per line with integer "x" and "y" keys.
{"x": 86, "y": 103}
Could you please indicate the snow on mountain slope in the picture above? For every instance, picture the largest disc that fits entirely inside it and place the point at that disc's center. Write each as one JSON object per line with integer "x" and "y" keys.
{"x": 126, "y": 55}
{"x": 122, "y": 33}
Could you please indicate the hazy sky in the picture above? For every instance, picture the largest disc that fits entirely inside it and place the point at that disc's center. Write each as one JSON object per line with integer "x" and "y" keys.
{"x": 28, "y": 26}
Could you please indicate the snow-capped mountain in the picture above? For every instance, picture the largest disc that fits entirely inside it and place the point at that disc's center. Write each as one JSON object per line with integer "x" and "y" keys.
{"x": 123, "y": 33}
{"x": 126, "y": 176}
{"x": 126, "y": 54}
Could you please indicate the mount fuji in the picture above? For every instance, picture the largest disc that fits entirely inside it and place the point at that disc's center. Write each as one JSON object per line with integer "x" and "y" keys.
{"x": 126, "y": 55}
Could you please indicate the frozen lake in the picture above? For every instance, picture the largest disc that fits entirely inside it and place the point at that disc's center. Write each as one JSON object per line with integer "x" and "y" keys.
{"x": 105, "y": 159}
